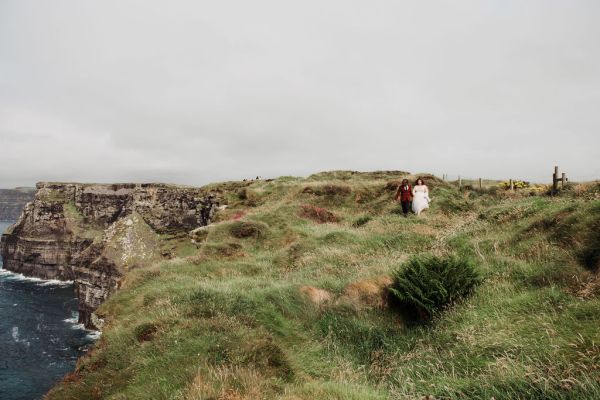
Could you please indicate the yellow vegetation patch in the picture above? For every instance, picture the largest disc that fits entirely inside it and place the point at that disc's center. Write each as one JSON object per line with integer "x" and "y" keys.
{"x": 369, "y": 293}
{"x": 316, "y": 295}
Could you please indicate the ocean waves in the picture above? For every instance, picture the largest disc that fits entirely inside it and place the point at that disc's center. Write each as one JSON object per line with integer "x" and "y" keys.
{"x": 14, "y": 276}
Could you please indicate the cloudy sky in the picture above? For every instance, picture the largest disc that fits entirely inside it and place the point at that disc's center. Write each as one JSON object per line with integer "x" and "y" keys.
{"x": 200, "y": 91}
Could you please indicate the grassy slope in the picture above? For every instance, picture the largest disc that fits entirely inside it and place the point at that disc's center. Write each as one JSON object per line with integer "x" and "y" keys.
{"x": 232, "y": 319}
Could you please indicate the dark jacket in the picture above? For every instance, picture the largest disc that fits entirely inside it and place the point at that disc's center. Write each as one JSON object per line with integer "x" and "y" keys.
{"x": 404, "y": 193}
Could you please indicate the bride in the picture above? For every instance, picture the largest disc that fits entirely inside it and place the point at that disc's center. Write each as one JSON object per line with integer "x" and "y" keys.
{"x": 420, "y": 197}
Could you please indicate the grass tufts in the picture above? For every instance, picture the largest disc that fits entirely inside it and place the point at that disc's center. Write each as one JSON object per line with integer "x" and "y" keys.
{"x": 362, "y": 220}
{"x": 267, "y": 304}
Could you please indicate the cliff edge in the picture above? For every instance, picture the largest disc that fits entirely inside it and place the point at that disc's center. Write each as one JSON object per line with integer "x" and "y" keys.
{"x": 93, "y": 233}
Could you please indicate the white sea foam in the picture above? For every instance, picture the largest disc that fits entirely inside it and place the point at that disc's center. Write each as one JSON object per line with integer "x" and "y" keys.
{"x": 15, "y": 333}
{"x": 74, "y": 322}
{"x": 94, "y": 335}
{"x": 55, "y": 282}
{"x": 14, "y": 276}
{"x": 17, "y": 338}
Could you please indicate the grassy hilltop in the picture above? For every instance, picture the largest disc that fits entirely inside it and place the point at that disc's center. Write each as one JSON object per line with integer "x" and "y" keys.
{"x": 285, "y": 297}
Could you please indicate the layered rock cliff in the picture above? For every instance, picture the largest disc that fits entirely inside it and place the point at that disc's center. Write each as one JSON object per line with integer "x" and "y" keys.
{"x": 92, "y": 234}
{"x": 12, "y": 202}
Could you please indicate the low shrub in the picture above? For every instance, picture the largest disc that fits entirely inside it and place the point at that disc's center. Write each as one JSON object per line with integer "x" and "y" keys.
{"x": 317, "y": 214}
{"x": 246, "y": 229}
{"x": 145, "y": 332}
{"x": 426, "y": 284}
{"x": 242, "y": 193}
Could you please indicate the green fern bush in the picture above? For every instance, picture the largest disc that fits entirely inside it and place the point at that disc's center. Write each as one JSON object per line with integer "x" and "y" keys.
{"x": 426, "y": 284}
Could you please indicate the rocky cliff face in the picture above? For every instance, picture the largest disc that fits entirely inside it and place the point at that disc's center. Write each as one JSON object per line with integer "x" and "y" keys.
{"x": 12, "y": 202}
{"x": 93, "y": 234}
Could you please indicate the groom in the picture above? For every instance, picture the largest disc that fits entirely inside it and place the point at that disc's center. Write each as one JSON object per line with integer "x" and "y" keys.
{"x": 404, "y": 192}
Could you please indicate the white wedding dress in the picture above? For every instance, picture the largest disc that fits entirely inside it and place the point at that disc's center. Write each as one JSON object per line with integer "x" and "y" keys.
{"x": 420, "y": 199}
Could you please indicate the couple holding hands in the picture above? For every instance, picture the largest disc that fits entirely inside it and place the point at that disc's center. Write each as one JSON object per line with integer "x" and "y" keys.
{"x": 417, "y": 195}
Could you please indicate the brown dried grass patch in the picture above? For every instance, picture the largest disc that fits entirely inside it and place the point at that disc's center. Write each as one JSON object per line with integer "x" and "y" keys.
{"x": 424, "y": 230}
{"x": 315, "y": 295}
{"x": 227, "y": 383}
{"x": 367, "y": 293}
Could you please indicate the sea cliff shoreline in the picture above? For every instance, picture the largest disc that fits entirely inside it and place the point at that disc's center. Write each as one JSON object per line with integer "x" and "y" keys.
{"x": 92, "y": 234}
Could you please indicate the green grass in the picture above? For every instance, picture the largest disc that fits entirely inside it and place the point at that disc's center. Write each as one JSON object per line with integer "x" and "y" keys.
{"x": 233, "y": 317}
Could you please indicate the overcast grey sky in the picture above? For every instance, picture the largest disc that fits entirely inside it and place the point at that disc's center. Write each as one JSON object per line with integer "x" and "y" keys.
{"x": 200, "y": 91}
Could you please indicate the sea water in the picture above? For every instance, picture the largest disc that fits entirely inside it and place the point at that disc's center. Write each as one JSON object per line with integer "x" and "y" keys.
{"x": 40, "y": 339}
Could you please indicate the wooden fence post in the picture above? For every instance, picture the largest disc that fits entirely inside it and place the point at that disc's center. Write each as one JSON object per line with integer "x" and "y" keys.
{"x": 479, "y": 183}
{"x": 511, "y": 184}
{"x": 459, "y": 182}
{"x": 555, "y": 180}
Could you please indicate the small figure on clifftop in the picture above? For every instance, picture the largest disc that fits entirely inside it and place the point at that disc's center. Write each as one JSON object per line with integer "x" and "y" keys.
{"x": 404, "y": 192}
{"x": 420, "y": 197}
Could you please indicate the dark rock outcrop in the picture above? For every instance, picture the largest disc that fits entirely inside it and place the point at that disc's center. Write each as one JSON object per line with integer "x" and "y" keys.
{"x": 92, "y": 234}
{"x": 12, "y": 202}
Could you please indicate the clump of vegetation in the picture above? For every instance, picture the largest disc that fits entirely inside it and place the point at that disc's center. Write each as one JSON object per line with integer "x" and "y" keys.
{"x": 242, "y": 193}
{"x": 362, "y": 220}
{"x": 252, "y": 198}
{"x": 426, "y": 284}
{"x": 145, "y": 332}
{"x": 453, "y": 203}
{"x": 317, "y": 214}
{"x": 588, "y": 190}
{"x": 589, "y": 253}
{"x": 246, "y": 229}
{"x": 392, "y": 186}
{"x": 517, "y": 184}
{"x": 328, "y": 190}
